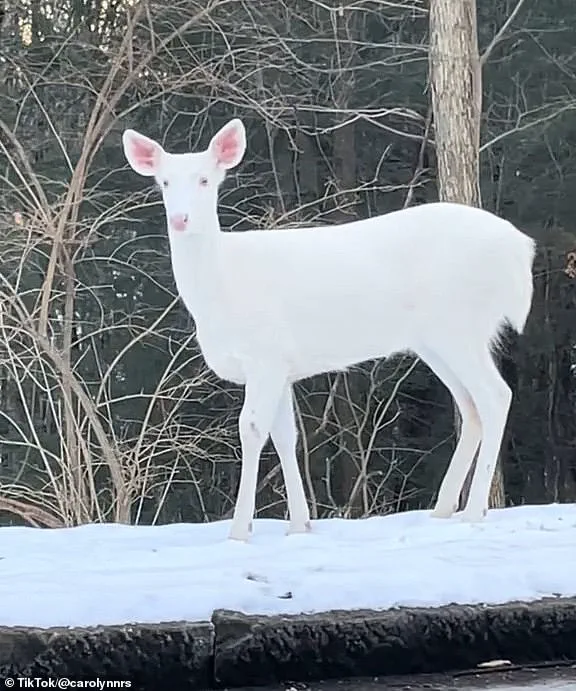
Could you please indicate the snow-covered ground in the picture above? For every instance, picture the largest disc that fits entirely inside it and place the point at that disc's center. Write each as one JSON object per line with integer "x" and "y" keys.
{"x": 113, "y": 574}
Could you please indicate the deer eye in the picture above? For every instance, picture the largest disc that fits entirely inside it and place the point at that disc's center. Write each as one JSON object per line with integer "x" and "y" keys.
{"x": 203, "y": 182}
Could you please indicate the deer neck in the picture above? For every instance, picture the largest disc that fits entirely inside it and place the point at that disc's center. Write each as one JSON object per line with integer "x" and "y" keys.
{"x": 196, "y": 265}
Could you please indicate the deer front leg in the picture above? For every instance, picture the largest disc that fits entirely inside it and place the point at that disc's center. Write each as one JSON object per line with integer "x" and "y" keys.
{"x": 263, "y": 391}
{"x": 284, "y": 437}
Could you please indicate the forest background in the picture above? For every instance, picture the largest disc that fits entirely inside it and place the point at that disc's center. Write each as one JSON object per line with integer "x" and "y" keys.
{"x": 107, "y": 410}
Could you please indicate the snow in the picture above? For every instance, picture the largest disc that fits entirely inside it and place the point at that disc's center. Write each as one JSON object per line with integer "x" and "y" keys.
{"x": 115, "y": 574}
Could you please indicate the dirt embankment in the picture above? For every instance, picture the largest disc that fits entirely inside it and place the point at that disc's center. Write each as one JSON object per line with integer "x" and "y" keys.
{"x": 234, "y": 650}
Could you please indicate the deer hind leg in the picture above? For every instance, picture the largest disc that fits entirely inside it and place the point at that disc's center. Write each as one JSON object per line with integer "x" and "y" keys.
{"x": 470, "y": 435}
{"x": 264, "y": 388}
{"x": 284, "y": 437}
{"x": 492, "y": 397}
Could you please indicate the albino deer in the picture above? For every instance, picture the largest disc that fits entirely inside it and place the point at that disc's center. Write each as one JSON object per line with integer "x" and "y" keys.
{"x": 271, "y": 308}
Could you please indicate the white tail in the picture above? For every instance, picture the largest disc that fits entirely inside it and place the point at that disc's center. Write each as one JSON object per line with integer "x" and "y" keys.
{"x": 439, "y": 280}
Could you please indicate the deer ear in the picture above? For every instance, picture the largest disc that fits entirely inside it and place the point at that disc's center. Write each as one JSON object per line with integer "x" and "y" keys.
{"x": 143, "y": 154}
{"x": 229, "y": 144}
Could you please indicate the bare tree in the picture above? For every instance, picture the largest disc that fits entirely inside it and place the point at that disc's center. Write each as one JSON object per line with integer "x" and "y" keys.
{"x": 455, "y": 75}
{"x": 456, "y": 85}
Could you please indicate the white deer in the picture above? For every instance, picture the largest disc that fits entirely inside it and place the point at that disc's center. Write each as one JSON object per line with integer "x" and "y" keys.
{"x": 273, "y": 307}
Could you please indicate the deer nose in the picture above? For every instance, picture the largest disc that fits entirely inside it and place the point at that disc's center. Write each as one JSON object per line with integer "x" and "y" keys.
{"x": 179, "y": 222}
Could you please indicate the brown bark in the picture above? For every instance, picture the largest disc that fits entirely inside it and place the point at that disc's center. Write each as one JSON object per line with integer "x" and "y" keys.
{"x": 456, "y": 85}
{"x": 456, "y": 98}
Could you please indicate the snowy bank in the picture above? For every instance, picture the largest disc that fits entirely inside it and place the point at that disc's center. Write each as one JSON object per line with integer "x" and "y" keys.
{"x": 414, "y": 595}
{"x": 116, "y": 574}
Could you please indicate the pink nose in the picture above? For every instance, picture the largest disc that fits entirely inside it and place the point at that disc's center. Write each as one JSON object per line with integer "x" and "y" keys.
{"x": 179, "y": 221}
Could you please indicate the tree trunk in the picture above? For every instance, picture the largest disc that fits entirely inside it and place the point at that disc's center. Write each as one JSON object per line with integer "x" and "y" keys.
{"x": 456, "y": 98}
{"x": 456, "y": 84}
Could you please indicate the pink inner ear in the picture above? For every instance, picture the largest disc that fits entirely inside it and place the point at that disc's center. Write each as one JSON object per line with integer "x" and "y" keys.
{"x": 226, "y": 147}
{"x": 144, "y": 153}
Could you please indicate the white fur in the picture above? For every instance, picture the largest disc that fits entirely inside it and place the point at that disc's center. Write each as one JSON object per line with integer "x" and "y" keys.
{"x": 274, "y": 307}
